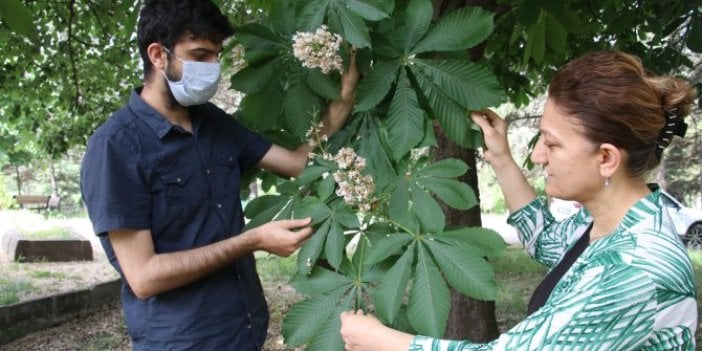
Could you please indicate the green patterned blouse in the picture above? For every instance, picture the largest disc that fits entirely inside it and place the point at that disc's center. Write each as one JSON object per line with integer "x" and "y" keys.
{"x": 631, "y": 290}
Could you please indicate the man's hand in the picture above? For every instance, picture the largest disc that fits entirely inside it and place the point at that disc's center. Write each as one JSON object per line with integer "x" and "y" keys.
{"x": 282, "y": 238}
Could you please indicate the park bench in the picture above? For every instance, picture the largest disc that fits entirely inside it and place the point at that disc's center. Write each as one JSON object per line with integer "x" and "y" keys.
{"x": 38, "y": 202}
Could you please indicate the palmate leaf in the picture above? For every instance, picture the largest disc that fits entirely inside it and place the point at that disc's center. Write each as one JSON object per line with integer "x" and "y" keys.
{"x": 372, "y": 10}
{"x": 319, "y": 281}
{"x": 322, "y": 84}
{"x": 488, "y": 242}
{"x": 373, "y": 88}
{"x": 446, "y": 168}
{"x": 374, "y": 150}
{"x": 429, "y": 298}
{"x": 400, "y": 207}
{"x": 256, "y": 37}
{"x": 427, "y": 210}
{"x": 299, "y": 104}
{"x": 468, "y": 273}
{"x": 452, "y": 116}
{"x": 304, "y": 319}
{"x": 336, "y": 242}
{"x": 349, "y": 25}
{"x": 459, "y": 30}
{"x": 329, "y": 336}
{"x": 309, "y": 253}
{"x": 313, "y": 14}
{"x": 390, "y": 244}
{"x": 388, "y": 296}
{"x": 405, "y": 120}
{"x": 417, "y": 22}
{"x": 251, "y": 79}
{"x": 453, "y": 192}
{"x": 469, "y": 85}
{"x": 267, "y": 102}
{"x": 264, "y": 208}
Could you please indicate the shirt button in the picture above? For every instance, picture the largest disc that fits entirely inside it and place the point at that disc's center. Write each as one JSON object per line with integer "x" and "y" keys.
{"x": 238, "y": 276}
{"x": 208, "y": 171}
{"x": 178, "y": 180}
{"x": 248, "y": 315}
{"x": 248, "y": 326}
{"x": 219, "y": 205}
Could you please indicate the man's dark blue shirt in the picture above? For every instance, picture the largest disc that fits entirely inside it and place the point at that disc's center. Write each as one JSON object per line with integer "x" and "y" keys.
{"x": 141, "y": 171}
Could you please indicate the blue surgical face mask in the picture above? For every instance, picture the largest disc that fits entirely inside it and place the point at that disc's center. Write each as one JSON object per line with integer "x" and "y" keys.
{"x": 198, "y": 82}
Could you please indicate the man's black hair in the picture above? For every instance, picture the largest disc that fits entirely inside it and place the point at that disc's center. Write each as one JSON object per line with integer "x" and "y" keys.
{"x": 166, "y": 21}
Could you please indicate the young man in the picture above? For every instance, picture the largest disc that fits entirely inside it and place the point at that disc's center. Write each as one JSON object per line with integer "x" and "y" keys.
{"x": 161, "y": 182}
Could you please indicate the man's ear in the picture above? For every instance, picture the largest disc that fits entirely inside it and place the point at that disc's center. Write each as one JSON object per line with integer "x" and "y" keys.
{"x": 611, "y": 158}
{"x": 157, "y": 55}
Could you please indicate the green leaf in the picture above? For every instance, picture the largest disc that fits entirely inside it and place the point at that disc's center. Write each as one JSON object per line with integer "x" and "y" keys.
{"x": 446, "y": 168}
{"x": 373, "y": 88}
{"x": 309, "y": 253}
{"x": 469, "y": 85}
{"x": 389, "y": 245}
{"x": 536, "y": 42}
{"x": 344, "y": 215}
{"x": 257, "y": 37}
{"x": 314, "y": 208}
{"x": 372, "y": 10}
{"x": 388, "y": 296}
{"x": 319, "y": 281}
{"x": 251, "y": 79}
{"x": 310, "y": 174}
{"x": 469, "y": 274}
{"x": 694, "y": 38}
{"x": 322, "y": 84}
{"x": 305, "y": 318}
{"x": 335, "y": 246}
{"x": 329, "y": 336}
{"x": 299, "y": 105}
{"x": 312, "y": 15}
{"x": 400, "y": 207}
{"x": 352, "y": 27}
{"x": 417, "y": 21}
{"x": 556, "y": 34}
{"x": 453, "y": 192}
{"x": 325, "y": 188}
{"x": 263, "y": 209}
{"x": 429, "y": 299}
{"x": 375, "y": 151}
{"x": 405, "y": 121}
{"x": 487, "y": 241}
{"x": 452, "y": 117}
{"x": 528, "y": 12}
{"x": 267, "y": 102}
{"x": 17, "y": 17}
{"x": 426, "y": 209}
{"x": 459, "y": 30}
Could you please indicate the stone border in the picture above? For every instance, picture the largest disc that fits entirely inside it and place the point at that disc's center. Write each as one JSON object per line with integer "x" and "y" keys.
{"x": 22, "y": 318}
{"x": 21, "y": 249}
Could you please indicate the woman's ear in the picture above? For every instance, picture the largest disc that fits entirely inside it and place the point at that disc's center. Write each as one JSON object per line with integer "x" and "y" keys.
{"x": 157, "y": 55}
{"x": 611, "y": 159}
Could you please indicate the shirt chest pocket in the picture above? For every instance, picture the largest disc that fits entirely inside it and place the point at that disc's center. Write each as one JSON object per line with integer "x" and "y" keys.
{"x": 179, "y": 189}
{"x": 227, "y": 173}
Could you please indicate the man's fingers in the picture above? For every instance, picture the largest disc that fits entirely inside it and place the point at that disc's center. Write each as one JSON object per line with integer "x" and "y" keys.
{"x": 296, "y": 223}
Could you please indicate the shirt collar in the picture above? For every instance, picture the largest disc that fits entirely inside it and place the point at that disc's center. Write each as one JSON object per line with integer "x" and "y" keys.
{"x": 156, "y": 121}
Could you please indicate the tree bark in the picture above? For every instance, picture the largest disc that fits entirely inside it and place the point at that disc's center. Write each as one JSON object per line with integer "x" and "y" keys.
{"x": 468, "y": 318}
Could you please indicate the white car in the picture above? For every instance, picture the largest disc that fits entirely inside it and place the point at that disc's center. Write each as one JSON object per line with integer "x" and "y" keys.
{"x": 687, "y": 221}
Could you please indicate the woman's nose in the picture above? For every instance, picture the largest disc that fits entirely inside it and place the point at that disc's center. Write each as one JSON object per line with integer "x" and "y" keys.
{"x": 538, "y": 155}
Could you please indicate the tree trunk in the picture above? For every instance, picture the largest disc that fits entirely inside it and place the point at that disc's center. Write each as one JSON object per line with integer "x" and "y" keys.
{"x": 468, "y": 318}
{"x": 18, "y": 179}
{"x": 52, "y": 175}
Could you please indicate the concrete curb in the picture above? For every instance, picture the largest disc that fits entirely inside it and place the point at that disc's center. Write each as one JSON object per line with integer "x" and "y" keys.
{"x": 22, "y": 318}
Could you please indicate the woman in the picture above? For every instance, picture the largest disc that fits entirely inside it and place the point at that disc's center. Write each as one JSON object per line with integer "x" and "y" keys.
{"x": 620, "y": 278}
